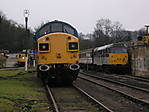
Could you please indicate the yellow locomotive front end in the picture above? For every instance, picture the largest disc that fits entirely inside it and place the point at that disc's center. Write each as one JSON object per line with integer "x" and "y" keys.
{"x": 58, "y": 53}
{"x": 112, "y": 58}
{"x": 118, "y": 59}
{"x": 21, "y": 58}
{"x": 58, "y": 48}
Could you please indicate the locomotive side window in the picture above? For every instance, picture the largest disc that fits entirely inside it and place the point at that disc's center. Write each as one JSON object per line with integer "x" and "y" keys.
{"x": 44, "y": 47}
{"x": 45, "y": 30}
{"x": 73, "y": 46}
{"x": 68, "y": 29}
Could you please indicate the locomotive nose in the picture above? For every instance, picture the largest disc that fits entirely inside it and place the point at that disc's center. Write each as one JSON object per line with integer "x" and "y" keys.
{"x": 44, "y": 68}
{"x": 74, "y": 67}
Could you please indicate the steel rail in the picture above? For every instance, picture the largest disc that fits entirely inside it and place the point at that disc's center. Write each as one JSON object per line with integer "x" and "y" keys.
{"x": 52, "y": 98}
{"x": 93, "y": 99}
{"x": 120, "y": 92}
{"x": 109, "y": 80}
{"x": 137, "y": 78}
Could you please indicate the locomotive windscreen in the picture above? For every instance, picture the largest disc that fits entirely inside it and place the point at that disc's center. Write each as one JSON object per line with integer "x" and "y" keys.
{"x": 118, "y": 50}
{"x": 54, "y": 27}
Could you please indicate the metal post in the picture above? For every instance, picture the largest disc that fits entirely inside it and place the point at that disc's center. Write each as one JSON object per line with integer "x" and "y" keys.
{"x": 147, "y": 27}
{"x": 34, "y": 62}
{"x": 26, "y": 15}
{"x": 26, "y": 63}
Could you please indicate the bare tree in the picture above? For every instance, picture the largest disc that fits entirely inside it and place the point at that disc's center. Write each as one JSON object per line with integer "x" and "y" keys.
{"x": 107, "y": 32}
{"x": 104, "y": 25}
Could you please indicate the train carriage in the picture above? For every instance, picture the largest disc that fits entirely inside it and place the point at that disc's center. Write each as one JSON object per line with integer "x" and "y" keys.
{"x": 58, "y": 52}
{"x": 112, "y": 57}
{"x": 86, "y": 58}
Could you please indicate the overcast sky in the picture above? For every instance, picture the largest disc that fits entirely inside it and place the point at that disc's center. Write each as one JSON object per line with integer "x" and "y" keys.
{"x": 82, "y": 14}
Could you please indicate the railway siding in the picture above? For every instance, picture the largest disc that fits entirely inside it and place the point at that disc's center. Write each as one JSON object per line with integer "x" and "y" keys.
{"x": 144, "y": 85}
{"x": 115, "y": 101}
{"x": 122, "y": 80}
{"x": 132, "y": 93}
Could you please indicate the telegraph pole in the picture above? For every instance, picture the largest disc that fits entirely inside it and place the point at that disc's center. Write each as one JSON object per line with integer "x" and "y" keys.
{"x": 26, "y": 15}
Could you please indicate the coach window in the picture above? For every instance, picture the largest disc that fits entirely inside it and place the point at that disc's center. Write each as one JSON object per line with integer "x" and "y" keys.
{"x": 56, "y": 27}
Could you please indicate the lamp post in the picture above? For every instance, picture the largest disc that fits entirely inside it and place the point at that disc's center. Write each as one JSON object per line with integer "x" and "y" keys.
{"x": 26, "y": 15}
{"x": 147, "y": 27}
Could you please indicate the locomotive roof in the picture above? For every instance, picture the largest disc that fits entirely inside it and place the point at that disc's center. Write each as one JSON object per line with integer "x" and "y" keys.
{"x": 102, "y": 47}
{"x": 120, "y": 45}
{"x": 37, "y": 34}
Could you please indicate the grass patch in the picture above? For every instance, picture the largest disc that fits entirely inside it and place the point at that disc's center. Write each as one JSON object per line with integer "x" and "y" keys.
{"x": 22, "y": 93}
{"x": 6, "y": 73}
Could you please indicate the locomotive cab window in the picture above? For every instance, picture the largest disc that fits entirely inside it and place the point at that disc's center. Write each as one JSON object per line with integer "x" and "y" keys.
{"x": 56, "y": 27}
{"x": 68, "y": 29}
{"x": 44, "y": 47}
{"x": 73, "y": 46}
{"x": 118, "y": 50}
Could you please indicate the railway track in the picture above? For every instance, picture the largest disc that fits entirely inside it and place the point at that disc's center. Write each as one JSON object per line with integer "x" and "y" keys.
{"x": 115, "y": 100}
{"x": 127, "y": 79}
{"x": 74, "y": 99}
{"x": 133, "y": 94}
{"x": 137, "y": 78}
{"x": 138, "y": 85}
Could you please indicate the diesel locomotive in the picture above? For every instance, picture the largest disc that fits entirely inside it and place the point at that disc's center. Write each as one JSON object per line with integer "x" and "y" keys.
{"x": 21, "y": 57}
{"x": 107, "y": 58}
{"x": 57, "y": 52}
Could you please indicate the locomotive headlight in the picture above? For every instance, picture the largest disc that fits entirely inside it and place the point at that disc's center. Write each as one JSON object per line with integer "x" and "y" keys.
{"x": 23, "y": 57}
{"x": 44, "y": 47}
{"x": 73, "y": 46}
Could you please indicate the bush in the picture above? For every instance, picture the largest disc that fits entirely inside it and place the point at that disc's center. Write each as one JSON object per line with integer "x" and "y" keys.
{"x": 2, "y": 61}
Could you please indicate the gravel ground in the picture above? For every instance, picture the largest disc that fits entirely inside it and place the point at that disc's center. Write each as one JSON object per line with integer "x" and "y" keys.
{"x": 113, "y": 100}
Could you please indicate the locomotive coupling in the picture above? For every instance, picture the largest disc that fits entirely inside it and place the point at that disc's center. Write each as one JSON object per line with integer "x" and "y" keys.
{"x": 44, "y": 68}
{"x": 74, "y": 67}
